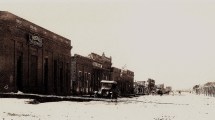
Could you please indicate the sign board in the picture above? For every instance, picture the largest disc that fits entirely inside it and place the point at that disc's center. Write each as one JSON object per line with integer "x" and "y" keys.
{"x": 97, "y": 64}
{"x": 35, "y": 40}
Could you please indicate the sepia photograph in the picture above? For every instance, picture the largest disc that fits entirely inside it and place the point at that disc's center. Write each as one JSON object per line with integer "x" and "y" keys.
{"x": 107, "y": 59}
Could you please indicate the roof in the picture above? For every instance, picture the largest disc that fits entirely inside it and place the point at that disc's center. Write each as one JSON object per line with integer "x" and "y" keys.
{"x": 36, "y": 28}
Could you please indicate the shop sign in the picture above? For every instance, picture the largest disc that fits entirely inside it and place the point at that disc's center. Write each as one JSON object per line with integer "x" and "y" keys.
{"x": 97, "y": 64}
{"x": 35, "y": 40}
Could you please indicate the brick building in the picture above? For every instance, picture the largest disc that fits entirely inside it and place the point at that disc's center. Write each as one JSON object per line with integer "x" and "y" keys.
{"x": 87, "y": 72}
{"x": 81, "y": 68}
{"x": 127, "y": 86}
{"x": 151, "y": 85}
{"x": 124, "y": 79}
{"x": 140, "y": 87}
{"x": 101, "y": 69}
{"x": 32, "y": 59}
{"x": 116, "y": 74}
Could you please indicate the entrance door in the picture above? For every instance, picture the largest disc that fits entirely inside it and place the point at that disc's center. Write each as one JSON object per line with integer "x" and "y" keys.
{"x": 34, "y": 70}
{"x": 19, "y": 72}
{"x": 46, "y": 71}
{"x": 55, "y": 76}
{"x": 61, "y": 77}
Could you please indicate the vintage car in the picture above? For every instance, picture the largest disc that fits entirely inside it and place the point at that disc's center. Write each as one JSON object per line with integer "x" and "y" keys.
{"x": 108, "y": 90}
{"x": 160, "y": 92}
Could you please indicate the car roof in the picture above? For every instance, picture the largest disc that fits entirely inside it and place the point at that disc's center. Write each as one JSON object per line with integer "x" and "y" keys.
{"x": 108, "y": 81}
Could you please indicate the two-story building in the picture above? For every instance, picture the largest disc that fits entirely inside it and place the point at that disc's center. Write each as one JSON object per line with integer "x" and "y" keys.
{"x": 87, "y": 73}
{"x": 101, "y": 69}
{"x": 127, "y": 86}
{"x": 81, "y": 77}
{"x": 124, "y": 79}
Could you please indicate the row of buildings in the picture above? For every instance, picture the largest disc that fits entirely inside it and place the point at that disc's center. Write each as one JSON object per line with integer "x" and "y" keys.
{"x": 207, "y": 89}
{"x": 87, "y": 72}
{"x": 149, "y": 87}
{"x": 36, "y": 60}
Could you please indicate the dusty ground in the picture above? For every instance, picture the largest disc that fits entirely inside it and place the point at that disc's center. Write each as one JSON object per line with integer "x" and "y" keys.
{"x": 167, "y": 107}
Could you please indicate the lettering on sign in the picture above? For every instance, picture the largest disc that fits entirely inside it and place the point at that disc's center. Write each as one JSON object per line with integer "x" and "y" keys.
{"x": 97, "y": 64}
{"x": 35, "y": 40}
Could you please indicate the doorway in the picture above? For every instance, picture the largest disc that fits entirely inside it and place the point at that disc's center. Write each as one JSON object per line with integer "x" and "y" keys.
{"x": 55, "y": 76}
{"x": 34, "y": 70}
{"x": 46, "y": 74}
{"x": 61, "y": 77}
{"x": 19, "y": 72}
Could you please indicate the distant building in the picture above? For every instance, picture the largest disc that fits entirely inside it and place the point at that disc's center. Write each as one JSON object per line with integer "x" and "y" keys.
{"x": 168, "y": 89}
{"x": 160, "y": 86}
{"x": 127, "y": 86}
{"x": 101, "y": 69}
{"x": 32, "y": 59}
{"x": 116, "y": 74}
{"x": 81, "y": 77}
{"x": 140, "y": 87}
{"x": 143, "y": 83}
{"x": 124, "y": 79}
{"x": 207, "y": 89}
{"x": 151, "y": 85}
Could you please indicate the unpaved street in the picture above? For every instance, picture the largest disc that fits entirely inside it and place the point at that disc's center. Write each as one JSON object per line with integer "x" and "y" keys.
{"x": 168, "y": 107}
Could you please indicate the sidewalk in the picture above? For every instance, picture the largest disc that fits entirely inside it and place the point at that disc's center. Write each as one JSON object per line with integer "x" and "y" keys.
{"x": 50, "y": 98}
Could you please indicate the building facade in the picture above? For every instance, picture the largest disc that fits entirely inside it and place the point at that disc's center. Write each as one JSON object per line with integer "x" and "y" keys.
{"x": 81, "y": 77}
{"x": 127, "y": 84}
{"x": 87, "y": 73}
{"x": 151, "y": 86}
{"x": 116, "y": 74}
{"x": 124, "y": 79}
{"x": 140, "y": 88}
{"x": 101, "y": 69}
{"x": 32, "y": 59}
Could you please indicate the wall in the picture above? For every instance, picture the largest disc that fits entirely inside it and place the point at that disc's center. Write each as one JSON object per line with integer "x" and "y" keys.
{"x": 35, "y": 60}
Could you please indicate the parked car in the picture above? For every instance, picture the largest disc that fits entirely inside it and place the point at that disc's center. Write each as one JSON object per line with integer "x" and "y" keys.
{"x": 108, "y": 90}
{"x": 160, "y": 92}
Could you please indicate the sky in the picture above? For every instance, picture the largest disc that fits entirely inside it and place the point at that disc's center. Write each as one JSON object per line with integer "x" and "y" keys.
{"x": 170, "y": 41}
